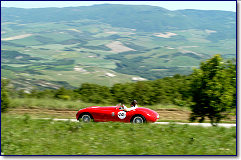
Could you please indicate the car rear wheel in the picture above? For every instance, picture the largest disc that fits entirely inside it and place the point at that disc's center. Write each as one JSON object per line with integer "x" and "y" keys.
{"x": 139, "y": 119}
{"x": 85, "y": 118}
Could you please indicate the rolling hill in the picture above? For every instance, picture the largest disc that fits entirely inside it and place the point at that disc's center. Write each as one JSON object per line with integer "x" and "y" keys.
{"x": 108, "y": 44}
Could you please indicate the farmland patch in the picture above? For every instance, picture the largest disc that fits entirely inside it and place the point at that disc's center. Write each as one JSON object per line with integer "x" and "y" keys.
{"x": 16, "y": 37}
{"x": 118, "y": 47}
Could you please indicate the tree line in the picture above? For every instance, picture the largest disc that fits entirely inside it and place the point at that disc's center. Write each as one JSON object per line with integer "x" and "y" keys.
{"x": 209, "y": 91}
{"x": 169, "y": 90}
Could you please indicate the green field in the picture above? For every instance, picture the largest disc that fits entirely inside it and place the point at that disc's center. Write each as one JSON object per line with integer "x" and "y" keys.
{"x": 87, "y": 43}
{"x": 26, "y": 136}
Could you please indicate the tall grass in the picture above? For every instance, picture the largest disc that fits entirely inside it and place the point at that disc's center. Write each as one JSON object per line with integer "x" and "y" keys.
{"x": 67, "y": 104}
{"x": 48, "y": 103}
{"x": 26, "y": 136}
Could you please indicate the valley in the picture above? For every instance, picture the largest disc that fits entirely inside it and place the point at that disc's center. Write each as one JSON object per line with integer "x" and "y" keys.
{"x": 71, "y": 48}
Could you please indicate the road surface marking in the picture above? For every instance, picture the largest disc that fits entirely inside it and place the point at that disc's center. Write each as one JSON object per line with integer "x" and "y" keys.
{"x": 226, "y": 125}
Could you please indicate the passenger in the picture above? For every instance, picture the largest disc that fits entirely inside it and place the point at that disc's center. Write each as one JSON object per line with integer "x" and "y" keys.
{"x": 134, "y": 104}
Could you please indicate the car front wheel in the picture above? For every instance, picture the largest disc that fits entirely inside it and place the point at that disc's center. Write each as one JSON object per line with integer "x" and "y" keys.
{"x": 85, "y": 118}
{"x": 138, "y": 119}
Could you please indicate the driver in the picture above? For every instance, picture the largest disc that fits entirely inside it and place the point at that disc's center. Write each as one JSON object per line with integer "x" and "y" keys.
{"x": 124, "y": 108}
{"x": 133, "y": 106}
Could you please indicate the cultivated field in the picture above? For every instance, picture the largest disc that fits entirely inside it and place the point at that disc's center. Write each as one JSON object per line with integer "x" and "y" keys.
{"x": 54, "y": 49}
{"x": 16, "y": 37}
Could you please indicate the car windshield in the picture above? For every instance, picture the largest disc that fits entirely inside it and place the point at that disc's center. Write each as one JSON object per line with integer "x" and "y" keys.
{"x": 120, "y": 106}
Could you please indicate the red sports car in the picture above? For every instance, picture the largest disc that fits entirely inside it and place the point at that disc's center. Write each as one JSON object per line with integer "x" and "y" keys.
{"x": 116, "y": 114}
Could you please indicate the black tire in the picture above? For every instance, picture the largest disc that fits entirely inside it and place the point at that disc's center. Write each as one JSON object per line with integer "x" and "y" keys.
{"x": 138, "y": 119}
{"x": 86, "y": 118}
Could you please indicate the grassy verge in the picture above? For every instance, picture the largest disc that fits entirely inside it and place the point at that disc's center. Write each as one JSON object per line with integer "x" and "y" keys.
{"x": 48, "y": 104}
{"x": 26, "y": 136}
{"x": 68, "y": 105}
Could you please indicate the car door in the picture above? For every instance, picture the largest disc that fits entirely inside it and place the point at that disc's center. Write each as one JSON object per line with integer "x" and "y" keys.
{"x": 103, "y": 114}
{"x": 120, "y": 115}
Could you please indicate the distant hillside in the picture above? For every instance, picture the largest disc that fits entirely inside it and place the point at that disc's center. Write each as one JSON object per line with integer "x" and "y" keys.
{"x": 142, "y": 18}
{"x": 108, "y": 44}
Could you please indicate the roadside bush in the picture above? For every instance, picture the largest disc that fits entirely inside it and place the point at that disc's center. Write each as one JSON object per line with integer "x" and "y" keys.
{"x": 4, "y": 95}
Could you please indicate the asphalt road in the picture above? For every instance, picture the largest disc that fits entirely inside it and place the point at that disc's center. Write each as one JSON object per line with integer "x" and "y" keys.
{"x": 227, "y": 125}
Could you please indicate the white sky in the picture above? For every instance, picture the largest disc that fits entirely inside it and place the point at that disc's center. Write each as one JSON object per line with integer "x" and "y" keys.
{"x": 170, "y": 5}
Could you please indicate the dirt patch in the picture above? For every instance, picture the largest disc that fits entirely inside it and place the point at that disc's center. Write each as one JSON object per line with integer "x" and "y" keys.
{"x": 111, "y": 32}
{"x": 110, "y": 75}
{"x": 181, "y": 115}
{"x": 79, "y": 69}
{"x": 75, "y": 30}
{"x": 159, "y": 69}
{"x": 16, "y": 37}
{"x": 118, "y": 47}
{"x": 138, "y": 79}
{"x": 165, "y": 35}
{"x": 173, "y": 114}
{"x": 42, "y": 112}
{"x": 210, "y": 31}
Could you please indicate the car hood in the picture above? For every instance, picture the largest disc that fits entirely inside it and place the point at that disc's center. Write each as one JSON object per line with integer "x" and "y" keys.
{"x": 144, "y": 109}
{"x": 98, "y": 107}
{"x": 147, "y": 110}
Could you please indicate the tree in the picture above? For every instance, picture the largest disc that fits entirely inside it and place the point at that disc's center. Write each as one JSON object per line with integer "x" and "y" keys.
{"x": 94, "y": 93}
{"x": 62, "y": 93}
{"x": 144, "y": 92}
{"x": 47, "y": 93}
{"x": 213, "y": 88}
{"x": 123, "y": 93}
{"x": 4, "y": 95}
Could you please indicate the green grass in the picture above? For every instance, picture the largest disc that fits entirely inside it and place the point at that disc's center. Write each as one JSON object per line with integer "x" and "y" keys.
{"x": 58, "y": 36}
{"x": 182, "y": 61}
{"x": 26, "y": 136}
{"x": 98, "y": 42}
{"x": 8, "y": 73}
{"x": 29, "y": 41}
{"x": 48, "y": 103}
{"x": 70, "y": 105}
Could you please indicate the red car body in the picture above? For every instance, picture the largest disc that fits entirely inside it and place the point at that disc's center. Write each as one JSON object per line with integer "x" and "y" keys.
{"x": 116, "y": 114}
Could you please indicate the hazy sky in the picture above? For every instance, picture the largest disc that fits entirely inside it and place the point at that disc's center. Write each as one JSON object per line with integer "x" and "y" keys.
{"x": 171, "y": 5}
